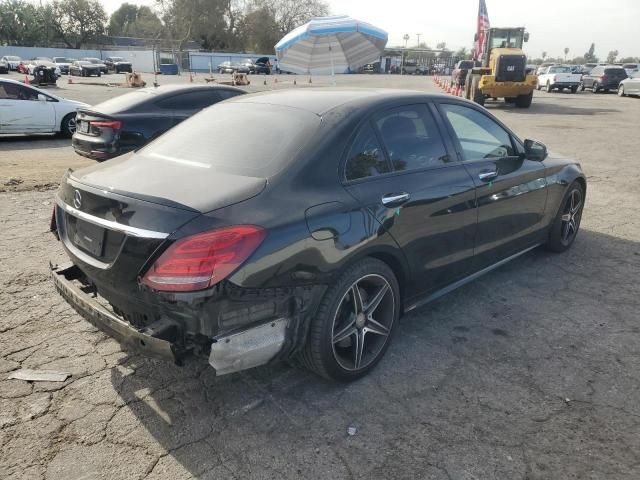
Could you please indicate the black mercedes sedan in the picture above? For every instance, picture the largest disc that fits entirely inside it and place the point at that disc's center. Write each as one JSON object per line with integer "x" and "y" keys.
{"x": 128, "y": 122}
{"x": 82, "y": 68}
{"x": 301, "y": 224}
{"x": 118, "y": 65}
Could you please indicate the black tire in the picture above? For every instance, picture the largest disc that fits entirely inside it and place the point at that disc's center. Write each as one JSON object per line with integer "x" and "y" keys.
{"x": 595, "y": 88}
{"x": 574, "y": 89}
{"x": 581, "y": 87}
{"x": 524, "y": 101}
{"x": 478, "y": 96}
{"x": 561, "y": 234}
{"x": 510, "y": 99}
{"x": 621, "y": 91}
{"x": 548, "y": 88}
{"x": 68, "y": 125}
{"x": 467, "y": 86}
{"x": 99, "y": 74}
{"x": 331, "y": 358}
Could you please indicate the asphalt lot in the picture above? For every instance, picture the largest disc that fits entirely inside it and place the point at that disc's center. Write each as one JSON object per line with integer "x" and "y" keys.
{"x": 530, "y": 372}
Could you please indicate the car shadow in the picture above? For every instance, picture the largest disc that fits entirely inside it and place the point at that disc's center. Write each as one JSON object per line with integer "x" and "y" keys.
{"x": 503, "y": 343}
{"x": 545, "y": 108}
{"x": 26, "y": 142}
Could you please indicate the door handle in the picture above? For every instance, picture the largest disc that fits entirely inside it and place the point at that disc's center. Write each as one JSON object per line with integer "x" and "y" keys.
{"x": 486, "y": 175}
{"x": 395, "y": 199}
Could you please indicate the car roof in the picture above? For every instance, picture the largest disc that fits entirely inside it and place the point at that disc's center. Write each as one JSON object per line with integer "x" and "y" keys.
{"x": 323, "y": 100}
{"x": 185, "y": 88}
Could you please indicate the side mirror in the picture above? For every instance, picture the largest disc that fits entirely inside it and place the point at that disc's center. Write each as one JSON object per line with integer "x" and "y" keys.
{"x": 42, "y": 98}
{"x": 526, "y": 37}
{"x": 535, "y": 151}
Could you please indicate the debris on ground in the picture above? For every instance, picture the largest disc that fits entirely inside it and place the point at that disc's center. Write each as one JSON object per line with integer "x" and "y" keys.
{"x": 134, "y": 80}
{"x": 13, "y": 181}
{"x": 351, "y": 431}
{"x": 39, "y": 375}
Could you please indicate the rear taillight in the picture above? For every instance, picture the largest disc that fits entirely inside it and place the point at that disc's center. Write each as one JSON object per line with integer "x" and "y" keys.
{"x": 603, "y": 77}
{"x": 113, "y": 124}
{"x": 200, "y": 261}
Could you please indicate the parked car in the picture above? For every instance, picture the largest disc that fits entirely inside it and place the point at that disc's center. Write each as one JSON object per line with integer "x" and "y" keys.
{"x": 249, "y": 64}
{"x": 4, "y": 66}
{"x": 603, "y": 78}
{"x": 460, "y": 71}
{"x": 263, "y": 65}
{"x": 631, "y": 68}
{"x": 25, "y": 109}
{"x": 231, "y": 67}
{"x": 129, "y": 121}
{"x": 630, "y": 85}
{"x": 99, "y": 63}
{"x": 118, "y": 65}
{"x": 303, "y": 224}
{"x": 371, "y": 68}
{"x": 83, "y": 68}
{"x": 42, "y": 62}
{"x": 559, "y": 77}
{"x": 12, "y": 60}
{"x": 63, "y": 63}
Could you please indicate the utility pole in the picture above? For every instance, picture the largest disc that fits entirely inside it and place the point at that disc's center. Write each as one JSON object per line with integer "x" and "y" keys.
{"x": 406, "y": 39}
{"x": 418, "y": 35}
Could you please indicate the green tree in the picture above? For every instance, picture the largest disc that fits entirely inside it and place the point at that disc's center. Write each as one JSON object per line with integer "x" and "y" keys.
{"x": 133, "y": 21}
{"x": 259, "y": 30}
{"x": 22, "y": 23}
{"x": 544, "y": 55}
{"x": 611, "y": 57}
{"x": 463, "y": 54}
{"x": 630, "y": 60}
{"x": 77, "y": 21}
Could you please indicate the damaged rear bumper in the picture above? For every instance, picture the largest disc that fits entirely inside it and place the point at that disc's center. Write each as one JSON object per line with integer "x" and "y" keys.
{"x": 64, "y": 278}
{"x": 229, "y": 353}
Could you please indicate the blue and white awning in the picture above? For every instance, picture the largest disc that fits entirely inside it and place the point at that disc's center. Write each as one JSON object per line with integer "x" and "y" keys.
{"x": 337, "y": 43}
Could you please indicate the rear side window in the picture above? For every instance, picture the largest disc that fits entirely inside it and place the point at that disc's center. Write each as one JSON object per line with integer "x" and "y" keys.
{"x": 366, "y": 158}
{"x": 411, "y": 138}
{"x": 615, "y": 72}
{"x": 479, "y": 136}
{"x": 190, "y": 100}
{"x": 224, "y": 94}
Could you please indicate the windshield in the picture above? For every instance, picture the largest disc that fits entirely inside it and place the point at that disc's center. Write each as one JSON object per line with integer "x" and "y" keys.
{"x": 92, "y": 60}
{"x": 13, "y": 58}
{"x": 559, "y": 69}
{"x": 241, "y": 138}
{"x": 505, "y": 39}
{"x": 116, "y": 59}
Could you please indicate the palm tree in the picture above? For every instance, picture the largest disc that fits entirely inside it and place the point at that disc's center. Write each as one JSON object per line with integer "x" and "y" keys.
{"x": 544, "y": 55}
{"x": 566, "y": 52}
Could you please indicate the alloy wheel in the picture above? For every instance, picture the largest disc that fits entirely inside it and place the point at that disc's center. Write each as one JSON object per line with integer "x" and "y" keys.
{"x": 571, "y": 217}
{"x": 71, "y": 125}
{"x": 362, "y": 322}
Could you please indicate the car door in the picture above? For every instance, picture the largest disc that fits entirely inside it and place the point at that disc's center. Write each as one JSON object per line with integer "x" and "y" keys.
{"x": 23, "y": 112}
{"x": 633, "y": 84}
{"x": 404, "y": 170}
{"x": 510, "y": 189}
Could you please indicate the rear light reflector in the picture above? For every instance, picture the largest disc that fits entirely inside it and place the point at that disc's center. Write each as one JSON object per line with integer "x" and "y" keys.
{"x": 113, "y": 124}
{"x": 202, "y": 260}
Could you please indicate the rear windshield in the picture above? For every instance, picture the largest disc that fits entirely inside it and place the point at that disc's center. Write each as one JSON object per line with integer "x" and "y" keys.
{"x": 249, "y": 139}
{"x": 125, "y": 102}
{"x": 615, "y": 71}
{"x": 560, "y": 70}
{"x": 466, "y": 65}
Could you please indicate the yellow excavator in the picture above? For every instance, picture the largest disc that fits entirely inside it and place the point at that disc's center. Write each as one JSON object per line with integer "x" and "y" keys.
{"x": 501, "y": 72}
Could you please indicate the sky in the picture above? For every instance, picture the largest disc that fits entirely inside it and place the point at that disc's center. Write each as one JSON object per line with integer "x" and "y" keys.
{"x": 552, "y": 24}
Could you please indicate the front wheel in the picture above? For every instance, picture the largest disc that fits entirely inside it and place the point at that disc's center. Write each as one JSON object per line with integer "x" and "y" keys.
{"x": 353, "y": 325}
{"x": 549, "y": 89}
{"x": 581, "y": 87}
{"x": 574, "y": 89}
{"x": 595, "y": 88}
{"x": 478, "y": 96}
{"x": 567, "y": 222}
{"x": 621, "y": 91}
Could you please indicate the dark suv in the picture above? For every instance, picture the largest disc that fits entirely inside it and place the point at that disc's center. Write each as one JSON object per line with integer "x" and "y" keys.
{"x": 603, "y": 78}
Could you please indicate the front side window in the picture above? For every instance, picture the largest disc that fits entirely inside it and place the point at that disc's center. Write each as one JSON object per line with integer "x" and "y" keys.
{"x": 411, "y": 138}
{"x": 10, "y": 91}
{"x": 366, "y": 158}
{"x": 479, "y": 136}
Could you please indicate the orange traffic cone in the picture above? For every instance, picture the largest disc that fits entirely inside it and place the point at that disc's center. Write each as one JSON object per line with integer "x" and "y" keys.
{"x": 26, "y": 80}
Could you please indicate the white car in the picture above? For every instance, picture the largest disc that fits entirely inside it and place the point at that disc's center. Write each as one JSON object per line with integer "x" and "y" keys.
{"x": 559, "y": 77}
{"x": 12, "y": 61}
{"x": 25, "y": 109}
{"x": 45, "y": 62}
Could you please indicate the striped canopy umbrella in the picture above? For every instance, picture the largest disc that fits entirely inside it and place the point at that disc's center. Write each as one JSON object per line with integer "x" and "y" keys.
{"x": 336, "y": 42}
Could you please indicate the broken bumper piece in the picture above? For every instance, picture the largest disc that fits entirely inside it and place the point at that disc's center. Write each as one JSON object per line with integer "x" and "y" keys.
{"x": 86, "y": 305}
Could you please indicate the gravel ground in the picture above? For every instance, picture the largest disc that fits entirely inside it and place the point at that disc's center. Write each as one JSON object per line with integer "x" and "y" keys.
{"x": 531, "y": 372}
